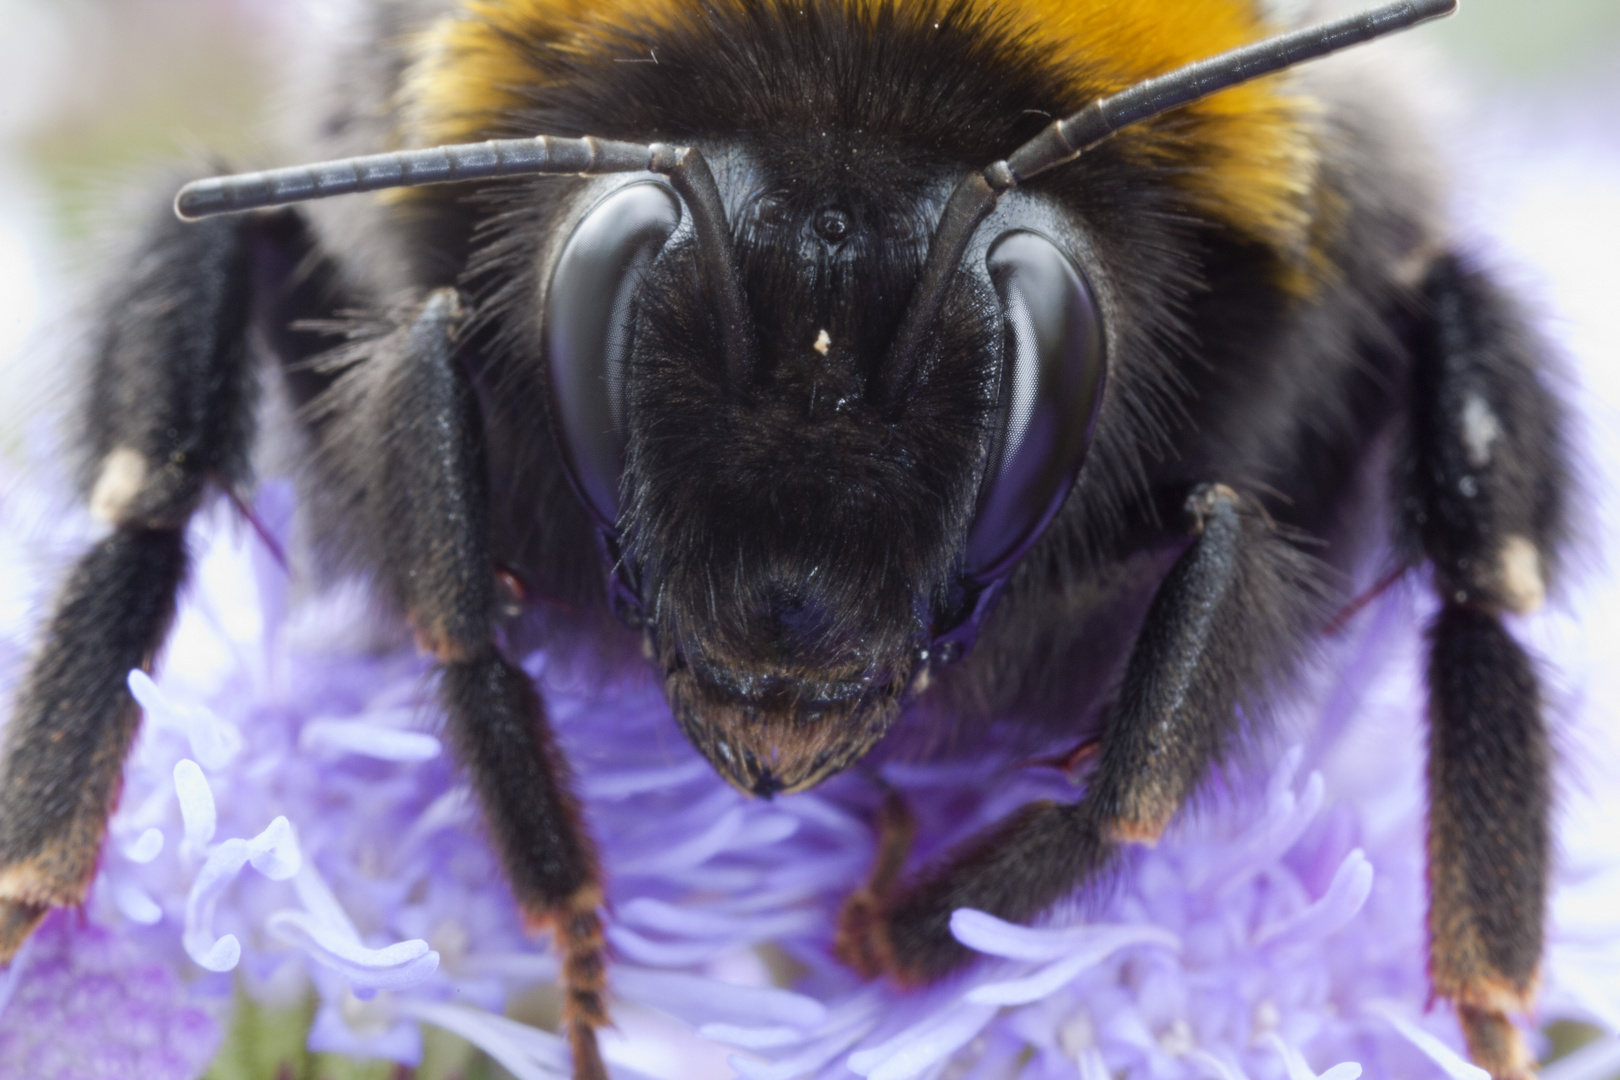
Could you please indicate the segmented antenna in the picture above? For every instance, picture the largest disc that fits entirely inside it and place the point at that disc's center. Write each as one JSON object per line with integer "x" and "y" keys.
{"x": 416, "y": 168}
{"x": 1066, "y": 139}
{"x": 688, "y": 173}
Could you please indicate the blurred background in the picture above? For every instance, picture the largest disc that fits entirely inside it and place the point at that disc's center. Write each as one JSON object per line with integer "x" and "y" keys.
{"x": 95, "y": 92}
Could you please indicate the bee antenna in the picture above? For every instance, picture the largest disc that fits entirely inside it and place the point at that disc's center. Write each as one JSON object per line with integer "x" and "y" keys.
{"x": 694, "y": 181}
{"x": 1064, "y": 140}
{"x": 544, "y": 155}
{"x": 418, "y": 168}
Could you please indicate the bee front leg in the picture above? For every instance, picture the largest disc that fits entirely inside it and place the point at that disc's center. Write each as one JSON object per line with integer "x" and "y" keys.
{"x": 1225, "y": 623}
{"x": 169, "y": 410}
{"x": 402, "y": 434}
{"x": 1485, "y": 486}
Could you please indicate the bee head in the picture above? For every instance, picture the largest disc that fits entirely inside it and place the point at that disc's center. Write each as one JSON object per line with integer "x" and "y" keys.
{"x": 796, "y": 539}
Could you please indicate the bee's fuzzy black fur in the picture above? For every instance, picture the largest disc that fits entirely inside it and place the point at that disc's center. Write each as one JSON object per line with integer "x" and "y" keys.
{"x": 837, "y": 130}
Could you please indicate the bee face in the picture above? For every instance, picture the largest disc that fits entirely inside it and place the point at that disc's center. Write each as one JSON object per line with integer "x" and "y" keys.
{"x": 788, "y": 562}
{"x": 794, "y": 535}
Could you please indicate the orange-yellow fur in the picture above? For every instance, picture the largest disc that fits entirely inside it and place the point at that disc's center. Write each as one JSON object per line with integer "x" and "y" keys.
{"x": 469, "y": 64}
{"x": 1258, "y": 159}
{"x": 1253, "y": 154}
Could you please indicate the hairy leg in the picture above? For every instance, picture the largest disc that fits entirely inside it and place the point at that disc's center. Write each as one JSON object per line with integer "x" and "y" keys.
{"x": 1485, "y": 486}
{"x": 169, "y": 410}
{"x": 1228, "y": 618}
{"x": 402, "y": 442}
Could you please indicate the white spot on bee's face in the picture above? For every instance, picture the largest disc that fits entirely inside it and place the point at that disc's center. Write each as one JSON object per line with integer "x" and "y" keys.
{"x": 823, "y": 343}
{"x": 1480, "y": 428}
{"x": 1519, "y": 575}
{"x": 120, "y": 480}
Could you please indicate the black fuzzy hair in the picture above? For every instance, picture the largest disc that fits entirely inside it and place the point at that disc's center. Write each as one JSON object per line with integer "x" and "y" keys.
{"x": 788, "y": 527}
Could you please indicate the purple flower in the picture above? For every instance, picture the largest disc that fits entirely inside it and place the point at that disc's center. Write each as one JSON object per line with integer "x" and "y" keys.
{"x": 288, "y": 815}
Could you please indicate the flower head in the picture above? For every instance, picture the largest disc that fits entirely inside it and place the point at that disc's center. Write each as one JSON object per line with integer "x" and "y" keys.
{"x": 289, "y": 815}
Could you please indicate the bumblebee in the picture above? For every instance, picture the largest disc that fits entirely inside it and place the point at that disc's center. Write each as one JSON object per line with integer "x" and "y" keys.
{"x": 699, "y": 335}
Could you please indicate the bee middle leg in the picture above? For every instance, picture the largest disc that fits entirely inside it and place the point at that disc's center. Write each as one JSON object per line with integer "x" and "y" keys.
{"x": 1230, "y": 616}
{"x": 401, "y": 427}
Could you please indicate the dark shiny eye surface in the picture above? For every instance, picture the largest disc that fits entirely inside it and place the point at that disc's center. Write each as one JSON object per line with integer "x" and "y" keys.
{"x": 771, "y": 211}
{"x": 1050, "y": 387}
{"x": 833, "y": 225}
{"x": 588, "y": 311}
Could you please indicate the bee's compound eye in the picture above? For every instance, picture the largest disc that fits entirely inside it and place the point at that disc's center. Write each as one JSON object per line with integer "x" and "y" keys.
{"x": 589, "y": 308}
{"x": 1050, "y": 387}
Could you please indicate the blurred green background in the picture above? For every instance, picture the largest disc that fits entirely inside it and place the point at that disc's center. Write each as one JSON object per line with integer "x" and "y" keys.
{"x": 1503, "y": 43}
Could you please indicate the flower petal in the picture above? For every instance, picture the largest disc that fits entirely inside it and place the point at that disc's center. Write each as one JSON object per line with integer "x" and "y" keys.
{"x": 395, "y": 967}
{"x": 274, "y": 852}
{"x": 1087, "y": 952}
{"x": 196, "y": 803}
{"x": 1285, "y": 822}
{"x": 136, "y": 904}
{"x": 1297, "y": 1067}
{"x": 1213, "y": 1065}
{"x": 695, "y": 998}
{"x": 213, "y": 741}
{"x": 145, "y": 847}
{"x": 224, "y": 863}
{"x": 985, "y": 933}
{"x": 1352, "y": 884}
{"x": 925, "y": 1044}
{"x": 751, "y": 1038}
{"x": 368, "y": 739}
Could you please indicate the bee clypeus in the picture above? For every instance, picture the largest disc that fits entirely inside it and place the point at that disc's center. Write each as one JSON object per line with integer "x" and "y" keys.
{"x": 1030, "y": 360}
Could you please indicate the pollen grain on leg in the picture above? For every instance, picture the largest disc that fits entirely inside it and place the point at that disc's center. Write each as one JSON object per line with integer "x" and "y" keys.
{"x": 1519, "y": 575}
{"x": 1480, "y": 429}
{"x": 122, "y": 475}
